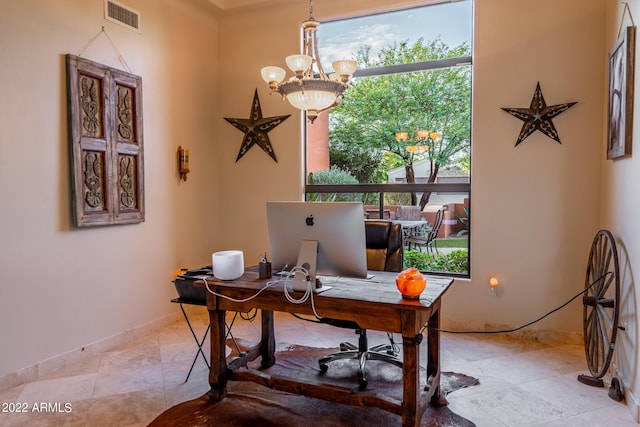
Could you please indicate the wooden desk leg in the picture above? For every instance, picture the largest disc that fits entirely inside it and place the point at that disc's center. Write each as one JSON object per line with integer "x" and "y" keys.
{"x": 433, "y": 356}
{"x": 218, "y": 369}
{"x": 268, "y": 340}
{"x": 411, "y": 410}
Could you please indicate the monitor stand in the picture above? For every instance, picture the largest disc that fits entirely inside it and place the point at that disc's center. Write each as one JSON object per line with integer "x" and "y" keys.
{"x": 307, "y": 259}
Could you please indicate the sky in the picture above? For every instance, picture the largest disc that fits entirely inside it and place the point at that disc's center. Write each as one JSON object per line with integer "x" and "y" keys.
{"x": 341, "y": 39}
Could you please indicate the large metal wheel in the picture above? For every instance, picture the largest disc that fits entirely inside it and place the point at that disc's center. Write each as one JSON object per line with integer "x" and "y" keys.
{"x": 600, "y": 311}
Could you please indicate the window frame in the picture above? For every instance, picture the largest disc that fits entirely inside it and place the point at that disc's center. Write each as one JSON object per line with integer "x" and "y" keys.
{"x": 381, "y": 189}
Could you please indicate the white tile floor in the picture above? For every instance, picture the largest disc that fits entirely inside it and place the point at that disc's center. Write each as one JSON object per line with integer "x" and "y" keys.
{"x": 522, "y": 383}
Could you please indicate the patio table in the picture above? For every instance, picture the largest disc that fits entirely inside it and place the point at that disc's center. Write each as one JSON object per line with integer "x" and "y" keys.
{"x": 413, "y": 228}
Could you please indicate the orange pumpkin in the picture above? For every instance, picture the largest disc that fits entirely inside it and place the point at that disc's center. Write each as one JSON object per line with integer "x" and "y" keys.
{"x": 411, "y": 283}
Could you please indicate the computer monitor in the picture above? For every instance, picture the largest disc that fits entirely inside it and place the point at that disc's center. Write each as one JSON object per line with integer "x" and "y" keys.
{"x": 337, "y": 227}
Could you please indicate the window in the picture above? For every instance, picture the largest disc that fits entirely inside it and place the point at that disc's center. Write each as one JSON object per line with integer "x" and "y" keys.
{"x": 400, "y": 140}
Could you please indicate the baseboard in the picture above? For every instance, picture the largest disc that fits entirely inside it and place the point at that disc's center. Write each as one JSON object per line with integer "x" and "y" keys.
{"x": 631, "y": 400}
{"x": 633, "y": 405}
{"x": 540, "y": 335}
{"x": 48, "y": 366}
{"x": 41, "y": 369}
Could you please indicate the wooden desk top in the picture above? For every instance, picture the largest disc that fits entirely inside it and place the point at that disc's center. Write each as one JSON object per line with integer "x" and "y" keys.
{"x": 347, "y": 298}
{"x": 379, "y": 289}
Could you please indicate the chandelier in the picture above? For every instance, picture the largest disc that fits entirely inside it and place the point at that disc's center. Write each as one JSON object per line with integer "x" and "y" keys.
{"x": 421, "y": 136}
{"x": 310, "y": 88}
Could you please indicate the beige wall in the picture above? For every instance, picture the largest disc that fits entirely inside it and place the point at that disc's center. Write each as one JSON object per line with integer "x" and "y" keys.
{"x": 62, "y": 288}
{"x": 535, "y": 207}
{"x": 620, "y": 211}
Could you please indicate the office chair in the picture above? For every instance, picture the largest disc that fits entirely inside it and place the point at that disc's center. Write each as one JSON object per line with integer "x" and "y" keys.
{"x": 384, "y": 253}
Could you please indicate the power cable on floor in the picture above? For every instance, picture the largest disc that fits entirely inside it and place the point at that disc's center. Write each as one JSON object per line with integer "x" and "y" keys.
{"x": 532, "y": 322}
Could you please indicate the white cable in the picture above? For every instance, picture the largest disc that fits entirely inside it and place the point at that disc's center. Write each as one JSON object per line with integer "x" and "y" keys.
{"x": 313, "y": 307}
{"x": 308, "y": 293}
{"x": 287, "y": 280}
{"x": 267, "y": 285}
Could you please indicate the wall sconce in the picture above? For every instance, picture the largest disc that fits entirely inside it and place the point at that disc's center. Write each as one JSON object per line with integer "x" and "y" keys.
{"x": 183, "y": 162}
{"x": 493, "y": 283}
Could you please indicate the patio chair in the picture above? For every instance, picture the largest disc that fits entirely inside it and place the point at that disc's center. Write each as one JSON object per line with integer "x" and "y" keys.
{"x": 428, "y": 241}
{"x": 410, "y": 213}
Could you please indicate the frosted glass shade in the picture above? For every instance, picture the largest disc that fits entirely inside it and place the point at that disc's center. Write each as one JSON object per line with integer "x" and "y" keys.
{"x": 401, "y": 136}
{"x": 417, "y": 149}
{"x": 345, "y": 67}
{"x": 312, "y": 95}
{"x": 298, "y": 63}
{"x": 423, "y": 134}
{"x": 272, "y": 74}
{"x": 311, "y": 99}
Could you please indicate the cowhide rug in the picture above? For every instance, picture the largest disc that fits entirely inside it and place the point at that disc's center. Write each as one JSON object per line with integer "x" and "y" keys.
{"x": 250, "y": 404}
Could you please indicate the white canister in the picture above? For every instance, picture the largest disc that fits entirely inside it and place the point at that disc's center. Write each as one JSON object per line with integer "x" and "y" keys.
{"x": 227, "y": 265}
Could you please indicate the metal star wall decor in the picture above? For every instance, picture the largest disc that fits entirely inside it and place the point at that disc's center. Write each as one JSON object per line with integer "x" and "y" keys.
{"x": 538, "y": 116}
{"x": 256, "y": 128}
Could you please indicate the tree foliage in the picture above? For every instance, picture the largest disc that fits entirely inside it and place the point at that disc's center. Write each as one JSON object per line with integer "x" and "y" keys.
{"x": 333, "y": 175}
{"x": 361, "y": 162}
{"x": 375, "y": 108}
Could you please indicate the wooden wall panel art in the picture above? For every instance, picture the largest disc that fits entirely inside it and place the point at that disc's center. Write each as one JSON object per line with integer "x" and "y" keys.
{"x": 106, "y": 145}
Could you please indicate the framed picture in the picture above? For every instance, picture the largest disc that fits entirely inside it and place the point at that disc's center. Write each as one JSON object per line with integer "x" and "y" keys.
{"x": 621, "y": 72}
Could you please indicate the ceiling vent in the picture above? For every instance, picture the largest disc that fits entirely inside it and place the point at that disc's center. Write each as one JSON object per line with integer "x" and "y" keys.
{"x": 121, "y": 14}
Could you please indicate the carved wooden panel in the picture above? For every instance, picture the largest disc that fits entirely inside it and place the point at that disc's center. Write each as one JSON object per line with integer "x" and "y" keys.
{"x": 105, "y": 136}
{"x": 94, "y": 181}
{"x": 91, "y": 112}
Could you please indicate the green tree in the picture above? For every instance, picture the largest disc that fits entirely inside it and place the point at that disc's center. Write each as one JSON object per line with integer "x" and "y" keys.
{"x": 360, "y": 161}
{"x": 333, "y": 175}
{"x": 438, "y": 100}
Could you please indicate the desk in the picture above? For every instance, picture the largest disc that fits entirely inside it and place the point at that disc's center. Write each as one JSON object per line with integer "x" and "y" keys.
{"x": 374, "y": 304}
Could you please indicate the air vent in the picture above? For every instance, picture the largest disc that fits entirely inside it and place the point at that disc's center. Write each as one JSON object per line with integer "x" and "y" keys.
{"x": 121, "y": 14}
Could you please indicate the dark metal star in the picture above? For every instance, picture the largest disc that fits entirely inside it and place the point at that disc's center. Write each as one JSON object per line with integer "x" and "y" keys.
{"x": 255, "y": 129}
{"x": 538, "y": 116}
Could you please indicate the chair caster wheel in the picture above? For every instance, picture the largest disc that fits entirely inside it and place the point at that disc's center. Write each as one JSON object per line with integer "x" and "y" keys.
{"x": 323, "y": 368}
{"x": 362, "y": 382}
